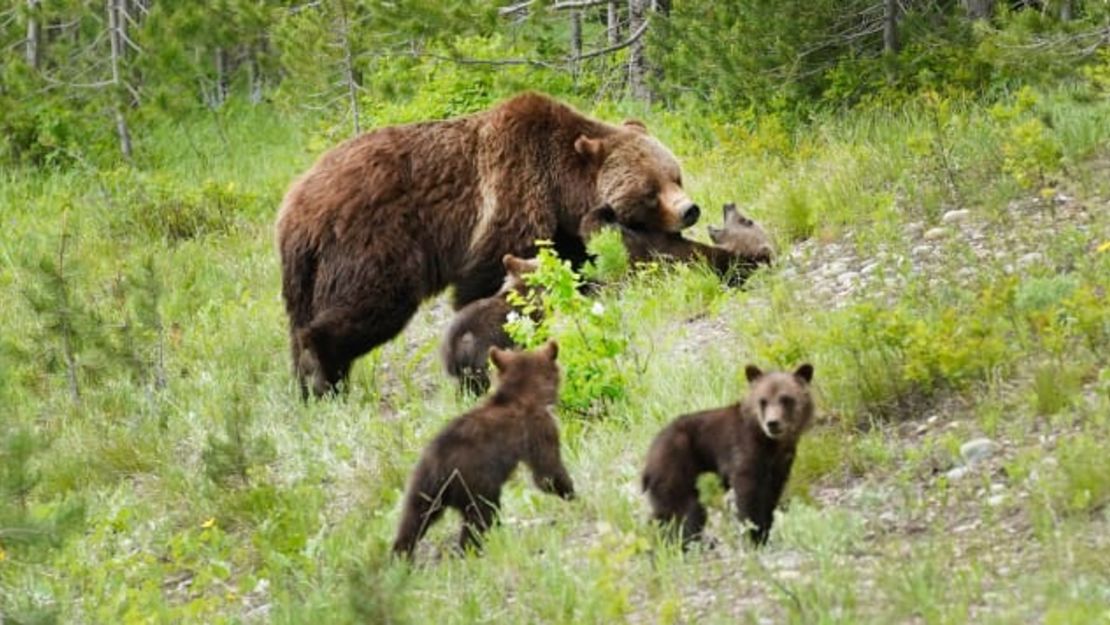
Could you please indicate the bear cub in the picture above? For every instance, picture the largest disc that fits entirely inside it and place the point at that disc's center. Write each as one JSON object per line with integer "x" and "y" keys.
{"x": 749, "y": 445}
{"x": 468, "y": 462}
{"x": 739, "y": 245}
{"x": 480, "y": 325}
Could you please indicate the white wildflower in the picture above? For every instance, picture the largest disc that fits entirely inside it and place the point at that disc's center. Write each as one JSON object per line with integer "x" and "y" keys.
{"x": 597, "y": 309}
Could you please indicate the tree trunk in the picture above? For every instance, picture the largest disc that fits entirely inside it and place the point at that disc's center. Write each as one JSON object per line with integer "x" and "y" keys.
{"x": 116, "y": 40}
{"x": 221, "y": 76}
{"x": 34, "y": 34}
{"x": 978, "y": 9}
{"x": 1066, "y": 10}
{"x": 637, "y": 61}
{"x": 891, "y": 45}
{"x": 575, "y": 37}
{"x": 349, "y": 72}
{"x": 614, "y": 23}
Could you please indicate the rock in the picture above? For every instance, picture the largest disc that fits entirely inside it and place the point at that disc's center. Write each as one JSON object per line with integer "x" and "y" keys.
{"x": 922, "y": 250}
{"x": 933, "y": 234}
{"x": 955, "y": 216}
{"x": 977, "y": 450}
{"x": 1032, "y": 258}
{"x": 956, "y": 473}
{"x": 996, "y": 500}
{"x": 848, "y": 277}
{"x": 869, "y": 269}
{"x": 915, "y": 227}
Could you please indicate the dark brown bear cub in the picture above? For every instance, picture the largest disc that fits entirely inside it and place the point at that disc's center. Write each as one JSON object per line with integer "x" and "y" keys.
{"x": 749, "y": 445}
{"x": 466, "y": 465}
{"x": 480, "y": 325}
{"x": 739, "y": 245}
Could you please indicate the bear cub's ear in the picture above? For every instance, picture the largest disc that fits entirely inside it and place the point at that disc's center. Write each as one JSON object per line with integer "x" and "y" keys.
{"x": 805, "y": 372}
{"x": 636, "y": 125}
{"x": 714, "y": 233}
{"x": 500, "y": 357}
{"x": 551, "y": 349}
{"x": 753, "y": 373}
{"x": 591, "y": 148}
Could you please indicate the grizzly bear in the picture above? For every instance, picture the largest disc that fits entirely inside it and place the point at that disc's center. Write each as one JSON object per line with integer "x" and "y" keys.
{"x": 749, "y": 445}
{"x": 396, "y": 215}
{"x": 465, "y": 466}
{"x": 480, "y": 325}
{"x": 740, "y": 244}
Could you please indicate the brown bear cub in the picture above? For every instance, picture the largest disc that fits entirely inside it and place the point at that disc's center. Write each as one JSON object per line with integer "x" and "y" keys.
{"x": 739, "y": 246}
{"x": 480, "y": 325}
{"x": 468, "y": 462}
{"x": 749, "y": 445}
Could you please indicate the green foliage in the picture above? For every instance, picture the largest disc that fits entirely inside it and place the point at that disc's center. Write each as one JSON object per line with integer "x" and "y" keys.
{"x": 590, "y": 336}
{"x": 610, "y": 262}
{"x": 25, "y": 525}
{"x": 232, "y": 457}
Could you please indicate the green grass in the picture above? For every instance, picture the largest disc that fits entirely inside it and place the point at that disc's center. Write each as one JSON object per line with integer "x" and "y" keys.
{"x": 132, "y": 507}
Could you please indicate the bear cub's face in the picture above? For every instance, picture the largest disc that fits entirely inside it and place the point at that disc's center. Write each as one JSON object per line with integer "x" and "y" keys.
{"x": 742, "y": 236}
{"x": 781, "y": 401}
{"x": 515, "y": 270}
{"x": 641, "y": 179}
{"x": 535, "y": 373}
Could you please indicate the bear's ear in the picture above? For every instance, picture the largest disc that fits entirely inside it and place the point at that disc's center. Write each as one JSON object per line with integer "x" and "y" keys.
{"x": 636, "y": 125}
{"x": 591, "y": 148}
{"x": 753, "y": 373}
{"x": 728, "y": 211}
{"x": 514, "y": 264}
{"x": 805, "y": 372}
{"x": 551, "y": 350}
{"x": 499, "y": 357}
{"x": 714, "y": 234}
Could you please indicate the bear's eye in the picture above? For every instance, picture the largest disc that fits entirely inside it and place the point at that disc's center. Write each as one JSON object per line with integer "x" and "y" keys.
{"x": 787, "y": 402}
{"x": 763, "y": 404}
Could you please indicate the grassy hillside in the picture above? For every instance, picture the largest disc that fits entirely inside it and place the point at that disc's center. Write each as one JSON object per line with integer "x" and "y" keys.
{"x": 945, "y": 266}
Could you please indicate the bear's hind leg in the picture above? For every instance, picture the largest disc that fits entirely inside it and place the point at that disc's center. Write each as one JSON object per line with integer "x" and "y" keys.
{"x": 419, "y": 514}
{"x": 478, "y": 518}
{"x": 339, "y": 335}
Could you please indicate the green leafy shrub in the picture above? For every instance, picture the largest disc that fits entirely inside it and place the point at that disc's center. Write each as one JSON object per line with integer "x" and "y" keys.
{"x": 590, "y": 334}
{"x": 230, "y": 458}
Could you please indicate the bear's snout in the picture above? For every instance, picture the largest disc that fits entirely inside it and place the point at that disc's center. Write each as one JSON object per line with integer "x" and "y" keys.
{"x": 689, "y": 214}
{"x": 774, "y": 427}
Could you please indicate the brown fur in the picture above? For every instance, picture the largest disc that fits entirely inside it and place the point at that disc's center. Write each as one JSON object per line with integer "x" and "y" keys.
{"x": 480, "y": 325}
{"x": 466, "y": 465}
{"x": 398, "y": 214}
{"x": 740, "y": 245}
{"x": 735, "y": 443}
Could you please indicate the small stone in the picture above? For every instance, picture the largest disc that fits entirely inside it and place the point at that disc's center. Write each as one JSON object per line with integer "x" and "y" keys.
{"x": 956, "y": 473}
{"x": 915, "y": 227}
{"x": 977, "y": 450}
{"x": 955, "y": 216}
{"x": 933, "y": 234}
{"x": 1031, "y": 258}
{"x": 848, "y": 277}
{"x": 869, "y": 268}
{"x": 922, "y": 250}
{"x": 996, "y": 500}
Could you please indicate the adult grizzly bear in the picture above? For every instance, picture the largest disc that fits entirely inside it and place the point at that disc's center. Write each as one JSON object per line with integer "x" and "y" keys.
{"x": 398, "y": 214}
